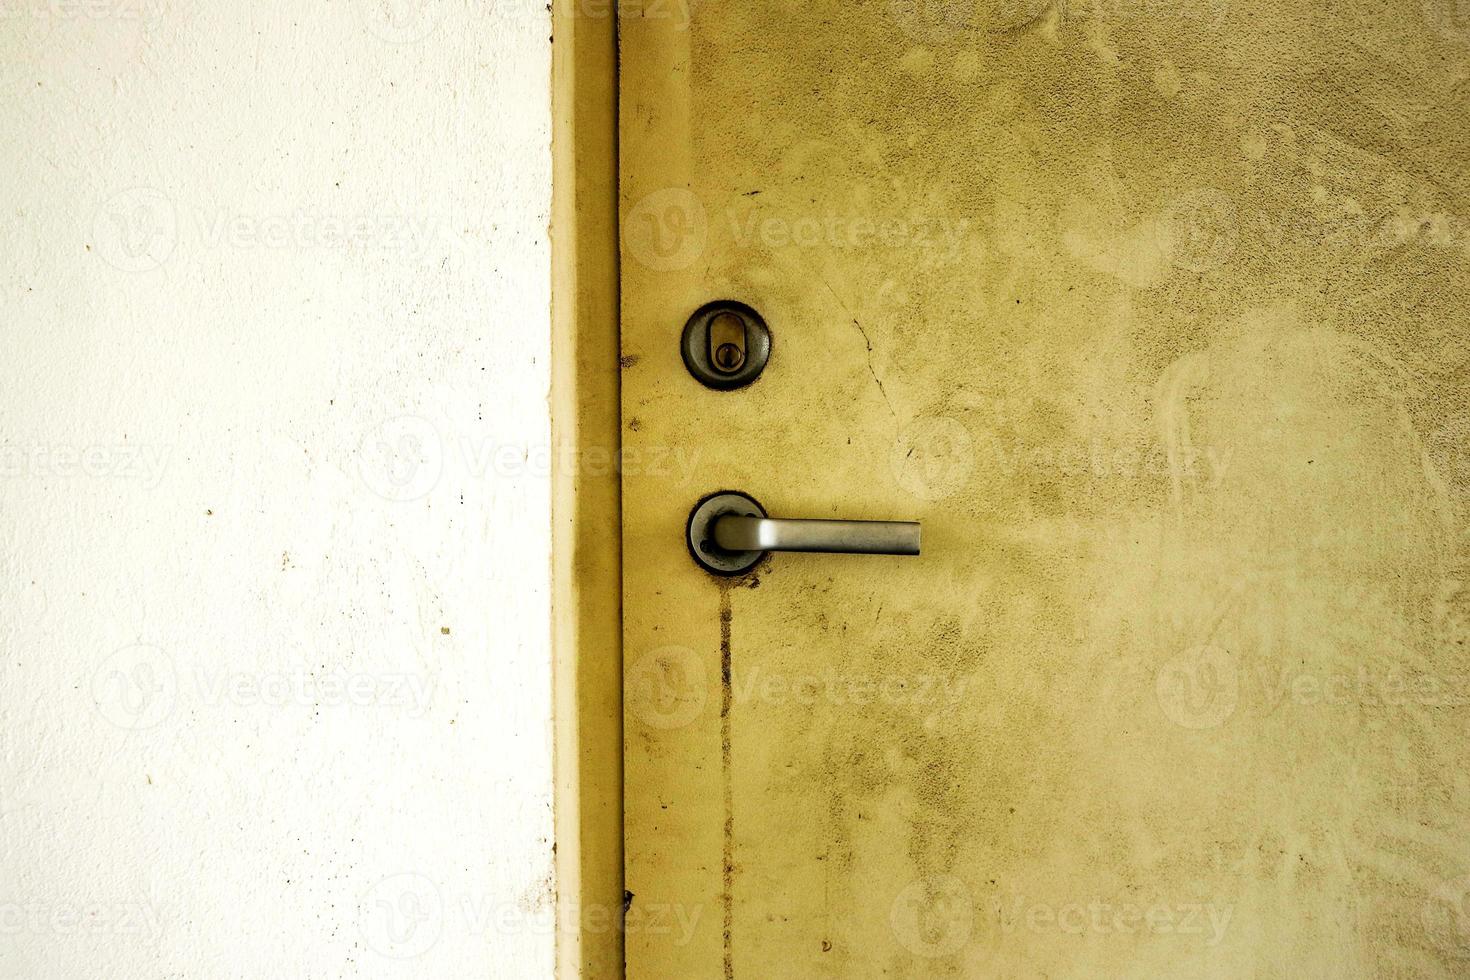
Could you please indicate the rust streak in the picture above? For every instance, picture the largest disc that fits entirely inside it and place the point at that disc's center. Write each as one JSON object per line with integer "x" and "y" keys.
{"x": 727, "y": 787}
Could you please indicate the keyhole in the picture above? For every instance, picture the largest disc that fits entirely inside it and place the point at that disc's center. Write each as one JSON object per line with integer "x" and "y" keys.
{"x": 729, "y": 357}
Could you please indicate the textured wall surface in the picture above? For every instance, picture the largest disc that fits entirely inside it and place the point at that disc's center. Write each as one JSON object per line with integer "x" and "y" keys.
{"x": 274, "y": 682}
{"x": 1154, "y": 313}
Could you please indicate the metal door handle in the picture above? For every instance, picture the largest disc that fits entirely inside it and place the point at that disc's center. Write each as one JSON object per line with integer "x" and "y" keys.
{"x": 840, "y": 537}
{"x": 729, "y": 533}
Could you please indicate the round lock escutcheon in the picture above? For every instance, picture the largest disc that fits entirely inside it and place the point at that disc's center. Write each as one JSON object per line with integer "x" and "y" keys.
{"x": 726, "y": 345}
{"x": 701, "y": 537}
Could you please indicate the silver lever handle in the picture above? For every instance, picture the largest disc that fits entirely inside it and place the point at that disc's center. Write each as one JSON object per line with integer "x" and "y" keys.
{"x": 729, "y": 533}
{"x": 838, "y": 537}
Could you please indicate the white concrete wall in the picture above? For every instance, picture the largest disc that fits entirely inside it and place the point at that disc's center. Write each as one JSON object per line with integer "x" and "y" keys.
{"x": 274, "y": 682}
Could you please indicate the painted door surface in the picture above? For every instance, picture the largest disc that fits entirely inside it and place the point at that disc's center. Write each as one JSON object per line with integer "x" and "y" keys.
{"x": 1154, "y": 312}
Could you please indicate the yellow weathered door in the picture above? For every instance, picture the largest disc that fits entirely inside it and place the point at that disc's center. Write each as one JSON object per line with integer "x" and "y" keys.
{"x": 1154, "y": 312}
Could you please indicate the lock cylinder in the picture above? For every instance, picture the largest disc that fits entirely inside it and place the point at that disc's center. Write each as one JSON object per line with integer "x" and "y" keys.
{"x": 726, "y": 345}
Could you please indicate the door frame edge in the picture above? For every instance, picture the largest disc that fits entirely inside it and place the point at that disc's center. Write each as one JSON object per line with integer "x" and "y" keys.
{"x": 586, "y": 509}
